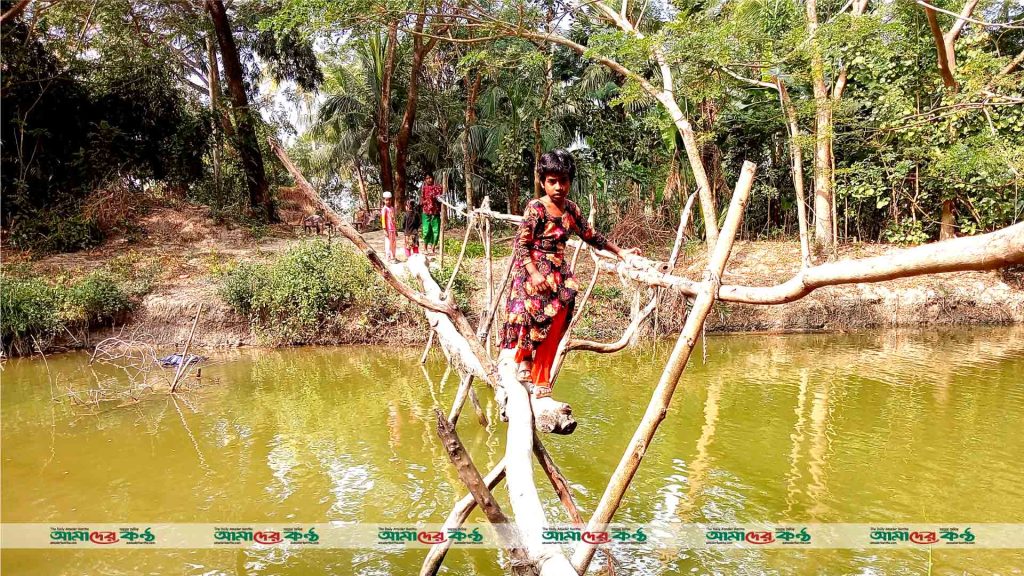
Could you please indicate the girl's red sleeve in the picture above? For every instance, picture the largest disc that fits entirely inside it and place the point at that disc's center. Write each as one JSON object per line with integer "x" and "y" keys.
{"x": 526, "y": 234}
{"x": 585, "y": 230}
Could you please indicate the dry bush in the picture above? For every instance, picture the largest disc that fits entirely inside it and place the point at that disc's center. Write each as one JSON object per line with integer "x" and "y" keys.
{"x": 124, "y": 370}
{"x": 115, "y": 207}
{"x": 294, "y": 205}
{"x": 649, "y": 232}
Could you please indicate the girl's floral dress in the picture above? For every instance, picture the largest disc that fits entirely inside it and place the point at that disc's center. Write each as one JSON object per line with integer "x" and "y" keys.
{"x": 542, "y": 238}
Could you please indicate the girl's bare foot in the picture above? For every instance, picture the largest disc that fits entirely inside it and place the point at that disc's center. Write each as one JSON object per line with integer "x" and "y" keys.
{"x": 543, "y": 391}
{"x": 525, "y": 373}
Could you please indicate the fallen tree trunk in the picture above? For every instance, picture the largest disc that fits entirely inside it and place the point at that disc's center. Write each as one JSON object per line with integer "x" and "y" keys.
{"x": 522, "y": 492}
{"x": 551, "y": 415}
{"x": 983, "y": 252}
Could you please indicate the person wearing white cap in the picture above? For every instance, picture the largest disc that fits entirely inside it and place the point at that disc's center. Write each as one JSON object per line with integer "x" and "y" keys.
{"x": 387, "y": 223}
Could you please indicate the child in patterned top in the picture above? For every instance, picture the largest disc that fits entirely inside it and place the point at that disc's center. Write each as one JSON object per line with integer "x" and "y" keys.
{"x": 544, "y": 289}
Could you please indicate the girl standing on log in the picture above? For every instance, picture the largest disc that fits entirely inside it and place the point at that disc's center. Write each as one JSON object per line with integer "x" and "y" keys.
{"x": 543, "y": 286}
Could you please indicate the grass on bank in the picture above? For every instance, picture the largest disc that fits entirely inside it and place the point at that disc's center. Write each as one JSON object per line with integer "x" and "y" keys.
{"x": 36, "y": 307}
{"x": 474, "y": 248}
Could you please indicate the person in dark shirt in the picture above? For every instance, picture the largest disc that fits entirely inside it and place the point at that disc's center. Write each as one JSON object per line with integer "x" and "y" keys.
{"x": 411, "y": 228}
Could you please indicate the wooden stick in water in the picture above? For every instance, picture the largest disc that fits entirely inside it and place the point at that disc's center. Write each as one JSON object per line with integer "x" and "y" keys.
{"x": 184, "y": 355}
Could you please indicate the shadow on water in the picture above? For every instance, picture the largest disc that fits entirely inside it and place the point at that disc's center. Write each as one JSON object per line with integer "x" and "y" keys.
{"x": 919, "y": 426}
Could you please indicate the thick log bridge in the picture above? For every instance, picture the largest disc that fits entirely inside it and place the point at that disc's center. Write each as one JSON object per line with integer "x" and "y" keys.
{"x": 551, "y": 416}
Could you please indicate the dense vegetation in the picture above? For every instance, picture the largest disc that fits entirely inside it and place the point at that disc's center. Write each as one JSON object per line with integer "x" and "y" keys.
{"x": 314, "y": 290}
{"x": 896, "y": 122}
{"x": 34, "y": 309}
{"x": 107, "y": 102}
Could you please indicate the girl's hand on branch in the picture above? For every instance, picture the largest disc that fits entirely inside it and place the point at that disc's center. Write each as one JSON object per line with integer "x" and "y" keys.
{"x": 631, "y": 256}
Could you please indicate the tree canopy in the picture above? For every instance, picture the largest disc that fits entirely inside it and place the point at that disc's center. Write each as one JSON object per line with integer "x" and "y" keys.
{"x": 907, "y": 118}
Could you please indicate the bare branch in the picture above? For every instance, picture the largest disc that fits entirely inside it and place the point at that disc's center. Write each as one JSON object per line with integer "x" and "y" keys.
{"x": 1012, "y": 26}
{"x": 983, "y": 252}
{"x": 960, "y": 22}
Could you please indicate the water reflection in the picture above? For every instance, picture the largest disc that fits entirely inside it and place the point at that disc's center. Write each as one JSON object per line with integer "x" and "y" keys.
{"x": 908, "y": 426}
{"x": 797, "y": 437}
{"x": 698, "y": 470}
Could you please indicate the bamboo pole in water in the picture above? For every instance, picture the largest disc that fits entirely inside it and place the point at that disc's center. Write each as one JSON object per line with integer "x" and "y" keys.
{"x": 183, "y": 367}
{"x": 456, "y": 518}
{"x": 658, "y": 406}
{"x": 470, "y": 476}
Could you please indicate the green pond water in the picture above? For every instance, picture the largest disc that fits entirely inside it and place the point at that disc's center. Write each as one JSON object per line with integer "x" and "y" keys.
{"x": 883, "y": 427}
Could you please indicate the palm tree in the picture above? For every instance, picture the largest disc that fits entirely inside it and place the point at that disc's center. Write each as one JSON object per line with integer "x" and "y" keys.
{"x": 342, "y": 136}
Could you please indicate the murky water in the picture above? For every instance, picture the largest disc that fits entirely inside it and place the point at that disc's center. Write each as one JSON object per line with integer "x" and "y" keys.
{"x": 874, "y": 427}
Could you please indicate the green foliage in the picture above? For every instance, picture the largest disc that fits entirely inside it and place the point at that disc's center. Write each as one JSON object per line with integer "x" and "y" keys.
{"x": 51, "y": 230}
{"x": 35, "y": 307}
{"x": 905, "y": 232}
{"x": 28, "y": 307}
{"x": 474, "y": 248}
{"x": 606, "y": 292}
{"x": 464, "y": 283}
{"x": 95, "y": 300}
{"x": 70, "y": 127}
{"x": 300, "y": 294}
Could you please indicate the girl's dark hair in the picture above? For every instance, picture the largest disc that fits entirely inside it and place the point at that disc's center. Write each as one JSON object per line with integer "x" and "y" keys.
{"x": 558, "y": 161}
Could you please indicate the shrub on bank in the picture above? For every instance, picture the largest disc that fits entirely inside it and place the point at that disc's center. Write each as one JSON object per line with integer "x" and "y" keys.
{"x": 300, "y": 294}
{"x": 32, "y": 307}
{"x": 28, "y": 307}
{"x": 96, "y": 300}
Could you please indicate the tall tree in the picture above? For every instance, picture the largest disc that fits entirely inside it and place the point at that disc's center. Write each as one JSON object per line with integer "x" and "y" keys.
{"x": 260, "y": 202}
{"x": 385, "y": 72}
{"x": 468, "y": 149}
{"x": 421, "y": 46}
